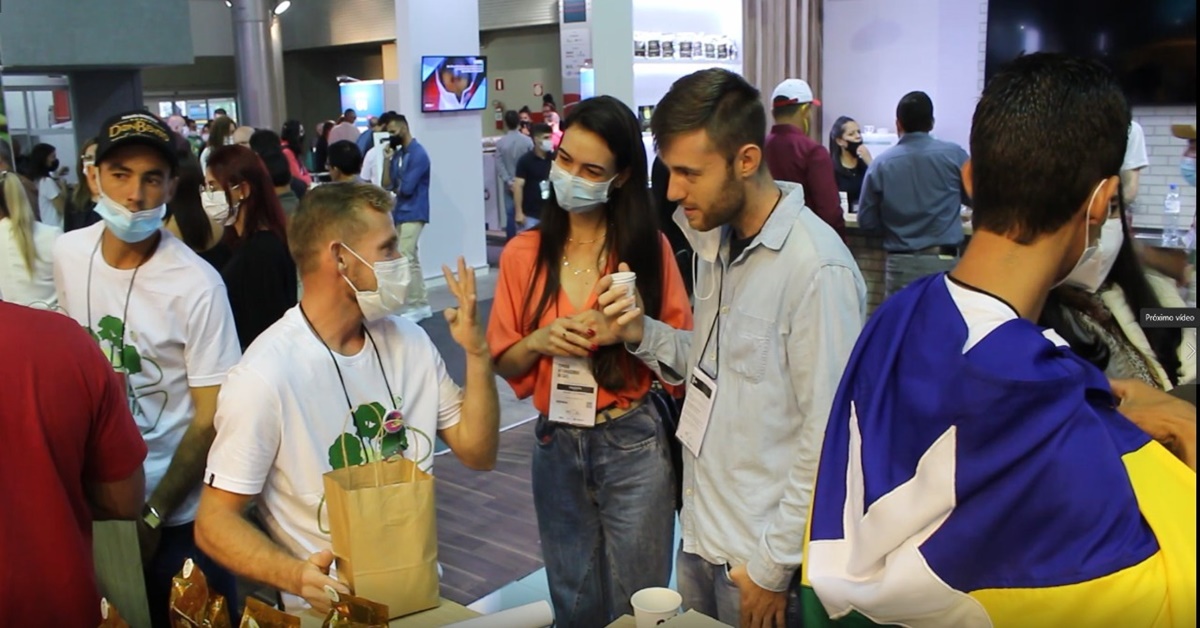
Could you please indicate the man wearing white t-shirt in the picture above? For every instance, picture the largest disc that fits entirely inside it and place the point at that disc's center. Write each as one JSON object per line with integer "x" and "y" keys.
{"x": 288, "y": 404}
{"x": 161, "y": 315}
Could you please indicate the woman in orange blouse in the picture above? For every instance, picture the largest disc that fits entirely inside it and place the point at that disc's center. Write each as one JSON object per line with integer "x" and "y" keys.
{"x": 603, "y": 486}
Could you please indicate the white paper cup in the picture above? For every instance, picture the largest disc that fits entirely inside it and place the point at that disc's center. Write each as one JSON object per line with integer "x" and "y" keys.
{"x": 655, "y": 606}
{"x": 629, "y": 281}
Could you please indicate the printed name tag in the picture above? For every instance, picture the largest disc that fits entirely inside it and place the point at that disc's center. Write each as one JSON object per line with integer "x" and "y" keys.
{"x": 697, "y": 410}
{"x": 573, "y": 393}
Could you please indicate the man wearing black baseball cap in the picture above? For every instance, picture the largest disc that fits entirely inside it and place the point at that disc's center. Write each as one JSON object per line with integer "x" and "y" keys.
{"x": 161, "y": 315}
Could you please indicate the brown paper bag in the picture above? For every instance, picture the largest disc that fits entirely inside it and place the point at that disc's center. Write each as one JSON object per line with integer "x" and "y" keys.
{"x": 383, "y": 524}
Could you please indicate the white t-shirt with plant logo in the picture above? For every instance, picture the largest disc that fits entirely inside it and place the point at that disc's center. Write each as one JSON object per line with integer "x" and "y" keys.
{"x": 282, "y": 417}
{"x": 179, "y": 335}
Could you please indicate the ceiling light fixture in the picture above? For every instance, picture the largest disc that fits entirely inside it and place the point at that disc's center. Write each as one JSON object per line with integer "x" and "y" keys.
{"x": 283, "y": 6}
{"x": 228, "y": 4}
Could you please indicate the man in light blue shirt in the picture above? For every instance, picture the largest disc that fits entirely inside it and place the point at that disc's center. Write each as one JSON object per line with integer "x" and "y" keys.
{"x": 509, "y": 150}
{"x": 914, "y": 194}
{"x": 407, "y": 176}
{"x": 779, "y": 304}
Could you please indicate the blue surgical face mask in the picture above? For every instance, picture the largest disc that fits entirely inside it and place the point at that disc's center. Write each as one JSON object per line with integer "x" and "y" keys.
{"x": 576, "y": 194}
{"x": 127, "y": 226}
{"x": 1187, "y": 168}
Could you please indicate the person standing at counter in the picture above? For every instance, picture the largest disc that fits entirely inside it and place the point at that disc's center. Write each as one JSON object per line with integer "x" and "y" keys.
{"x": 602, "y": 478}
{"x": 779, "y": 303}
{"x": 792, "y": 155}
{"x": 850, "y": 158}
{"x": 914, "y": 194}
{"x": 975, "y": 470}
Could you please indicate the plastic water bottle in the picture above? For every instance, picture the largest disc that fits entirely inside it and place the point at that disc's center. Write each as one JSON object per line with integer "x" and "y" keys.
{"x": 1171, "y": 209}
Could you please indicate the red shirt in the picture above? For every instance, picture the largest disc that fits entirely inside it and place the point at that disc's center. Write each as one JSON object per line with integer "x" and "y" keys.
{"x": 64, "y": 420}
{"x": 793, "y": 156}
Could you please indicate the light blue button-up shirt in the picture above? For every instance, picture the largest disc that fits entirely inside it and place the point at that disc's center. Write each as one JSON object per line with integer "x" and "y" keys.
{"x": 790, "y": 310}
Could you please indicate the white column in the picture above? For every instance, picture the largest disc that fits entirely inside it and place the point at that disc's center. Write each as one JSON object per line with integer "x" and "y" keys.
{"x": 456, "y": 227}
{"x": 612, "y": 49}
{"x": 255, "y": 64}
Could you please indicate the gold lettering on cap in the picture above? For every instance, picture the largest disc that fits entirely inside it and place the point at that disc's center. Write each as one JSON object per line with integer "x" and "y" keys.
{"x": 138, "y": 126}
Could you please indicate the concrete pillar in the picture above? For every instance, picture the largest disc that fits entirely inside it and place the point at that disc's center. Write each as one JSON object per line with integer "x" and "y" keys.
{"x": 97, "y": 95}
{"x": 452, "y": 139}
{"x": 279, "y": 95}
{"x": 255, "y": 61}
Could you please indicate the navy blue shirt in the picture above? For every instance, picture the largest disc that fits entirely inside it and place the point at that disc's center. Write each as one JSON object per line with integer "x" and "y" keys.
{"x": 914, "y": 193}
{"x": 410, "y": 181}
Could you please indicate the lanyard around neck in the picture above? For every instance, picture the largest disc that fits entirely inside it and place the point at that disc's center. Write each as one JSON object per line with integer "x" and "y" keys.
{"x": 332, "y": 358}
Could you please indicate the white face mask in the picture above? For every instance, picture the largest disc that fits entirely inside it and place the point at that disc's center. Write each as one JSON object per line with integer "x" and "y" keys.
{"x": 1089, "y": 249}
{"x": 391, "y": 278}
{"x": 1090, "y": 274}
{"x": 547, "y": 146}
{"x": 218, "y": 208}
{"x": 576, "y": 194}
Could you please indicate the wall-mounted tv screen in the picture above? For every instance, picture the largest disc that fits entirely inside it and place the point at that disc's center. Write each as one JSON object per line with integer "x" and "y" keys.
{"x": 1150, "y": 45}
{"x": 453, "y": 84}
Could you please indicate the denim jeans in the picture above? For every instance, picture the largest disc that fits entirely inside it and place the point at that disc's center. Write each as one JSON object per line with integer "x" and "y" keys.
{"x": 177, "y": 545}
{"x": 605, "y": 506}
{"x": 707, "y": 589}
{"x": 510, "y": 216}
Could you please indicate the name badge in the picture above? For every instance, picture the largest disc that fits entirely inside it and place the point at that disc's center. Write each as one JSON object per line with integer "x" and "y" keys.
{"x": 573, "y": 393}
{"x": 697, "y": 410}
{"x": 544, "y": 186}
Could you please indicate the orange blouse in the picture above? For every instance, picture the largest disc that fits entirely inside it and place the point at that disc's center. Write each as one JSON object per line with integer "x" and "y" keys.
{"x": 507, "y": 323}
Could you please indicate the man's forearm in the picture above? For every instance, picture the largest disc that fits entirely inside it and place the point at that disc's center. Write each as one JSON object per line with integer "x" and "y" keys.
{"x": 665, "y": 350}
{"x": 186, "y": 471}
{"x": 228, "y": 538}
{"x": 480, "y": 424}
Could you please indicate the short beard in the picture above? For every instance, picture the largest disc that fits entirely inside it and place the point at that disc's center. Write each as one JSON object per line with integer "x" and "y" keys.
{"x": 729, "y": 204}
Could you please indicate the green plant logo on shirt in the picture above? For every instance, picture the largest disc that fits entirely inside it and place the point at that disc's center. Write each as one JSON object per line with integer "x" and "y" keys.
{"x": 124, "y": 357}
{"x": 378, "y": 435}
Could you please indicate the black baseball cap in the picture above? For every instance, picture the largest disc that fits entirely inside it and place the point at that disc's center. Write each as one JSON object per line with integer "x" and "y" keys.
{"x": 136, "y": 127}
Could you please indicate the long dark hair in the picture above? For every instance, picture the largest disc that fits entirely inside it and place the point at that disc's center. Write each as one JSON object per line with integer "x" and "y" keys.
{"x": 835, "y": 134}
{"x": 220, "y": 130}
{"x": 293, "y": 140}
{"x": 195, "y": 228}
{"x": 632, "y": 236}
{"x": 234, "y": 165}
{"x": 37, "y": 166}
{"x": 1128, "y": 273}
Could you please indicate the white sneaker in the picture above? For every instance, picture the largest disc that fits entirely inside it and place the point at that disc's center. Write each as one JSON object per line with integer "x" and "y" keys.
{"x": 418, "y": 314}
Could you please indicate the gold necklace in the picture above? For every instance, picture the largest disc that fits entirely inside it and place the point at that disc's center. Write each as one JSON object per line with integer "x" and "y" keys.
{"x": 585, "y": 270}
{"x": 574, "y": 241}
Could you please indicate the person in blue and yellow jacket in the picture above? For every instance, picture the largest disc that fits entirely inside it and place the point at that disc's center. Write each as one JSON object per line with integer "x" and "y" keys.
{"x": 975, "y": 471}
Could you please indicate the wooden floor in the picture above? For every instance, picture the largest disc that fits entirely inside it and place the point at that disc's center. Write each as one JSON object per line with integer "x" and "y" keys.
{"x": 487, "y": 529}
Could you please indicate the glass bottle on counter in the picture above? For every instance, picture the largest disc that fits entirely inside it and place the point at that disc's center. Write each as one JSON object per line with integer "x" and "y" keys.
{"x": 1171, "y": 211}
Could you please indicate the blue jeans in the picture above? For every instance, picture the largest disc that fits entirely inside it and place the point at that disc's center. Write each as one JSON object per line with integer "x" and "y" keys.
{"x": 510, "y": 214}
{"x": 178, "y": 544}
{"x": 605, "y": 506}
{"x": 706, "y": 588}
